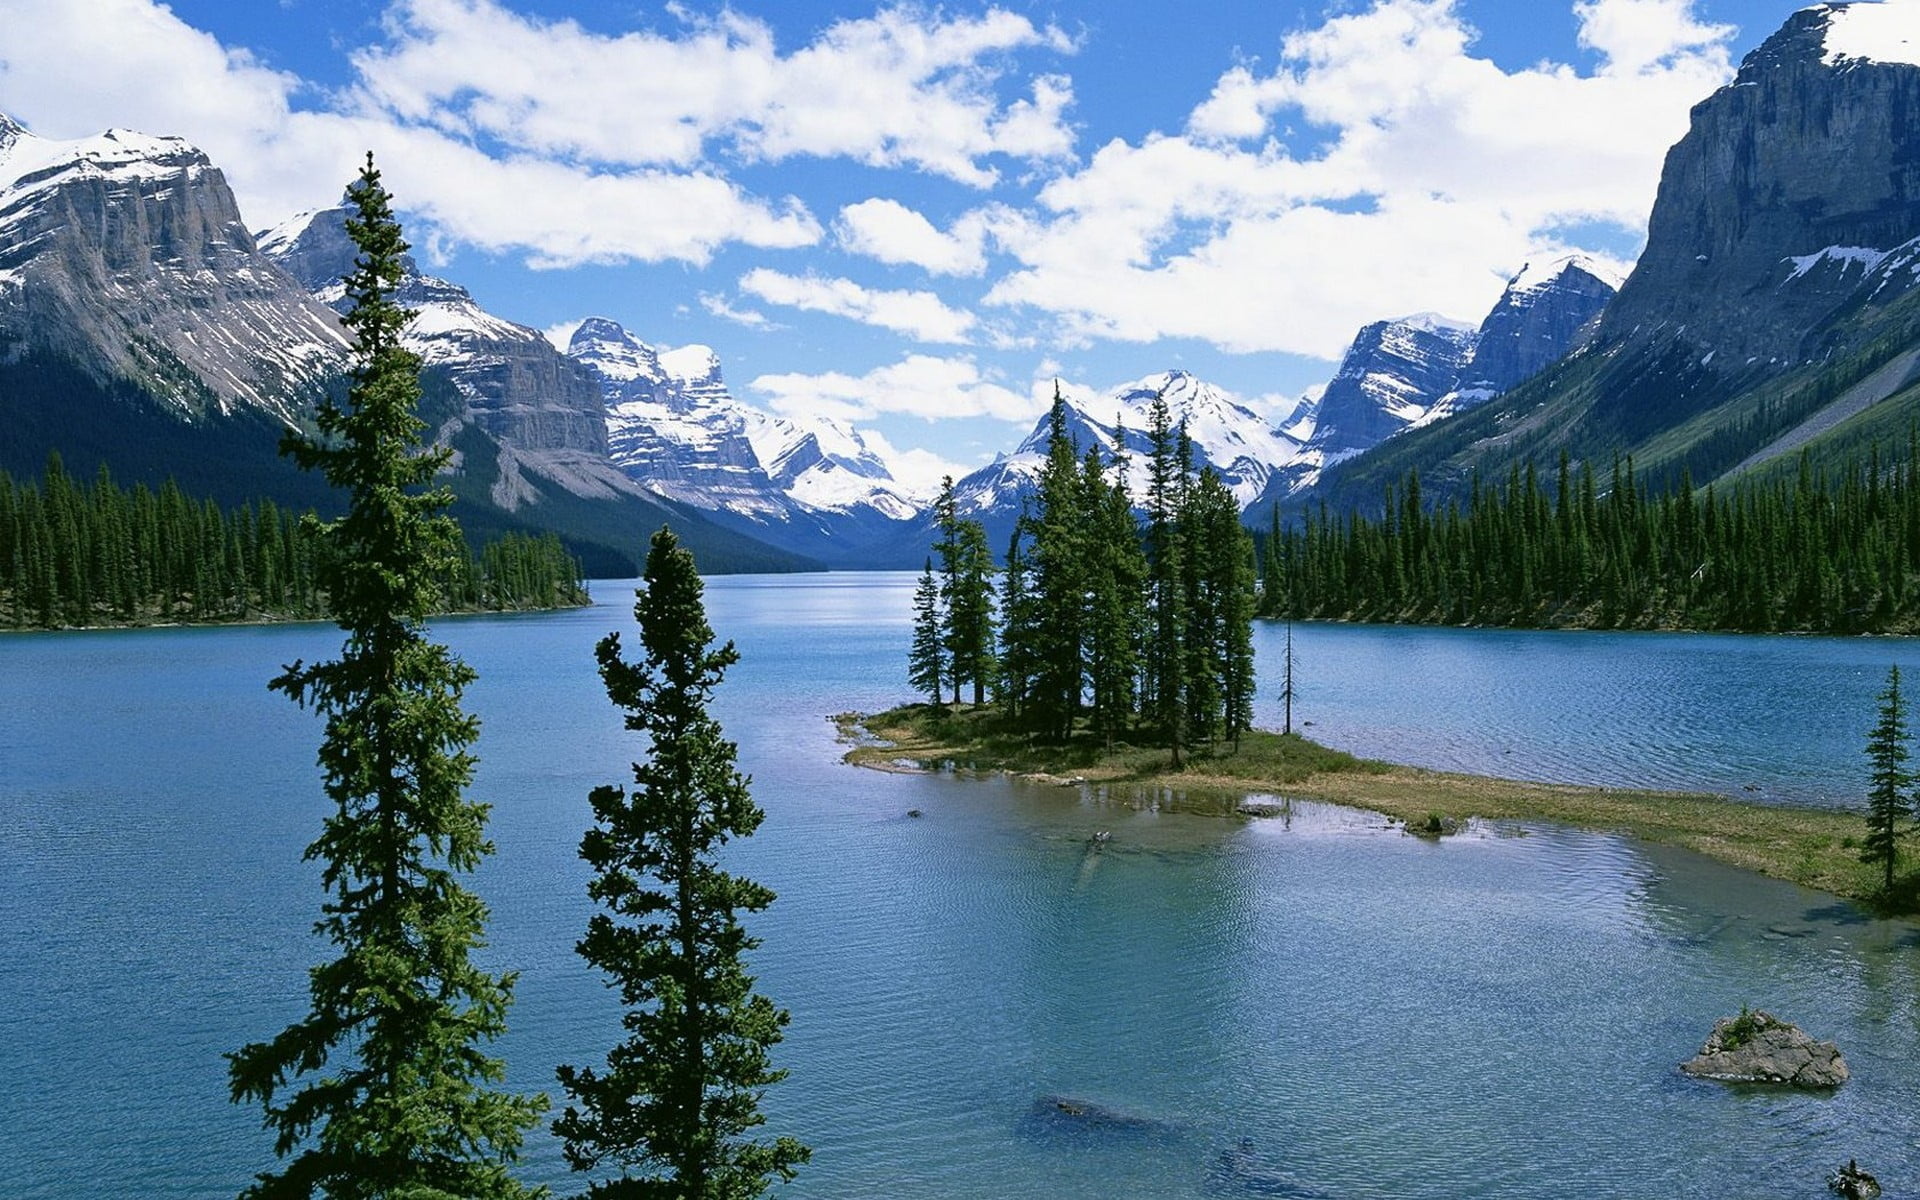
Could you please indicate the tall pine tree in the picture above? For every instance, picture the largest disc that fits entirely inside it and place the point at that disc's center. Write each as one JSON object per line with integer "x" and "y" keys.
{"x": 966, "y": 588}
{"x": 401, "y": 1102}
{"x": 678, "y": 1098}
{"x": 927, "y": 660}
{"x": 1890, "y": 797}
{"x": 1059, "y": 569}
{"x": 1165, "y": 676}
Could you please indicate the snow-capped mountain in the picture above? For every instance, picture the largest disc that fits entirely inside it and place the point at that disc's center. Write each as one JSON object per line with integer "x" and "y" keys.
{"x": 1419, "y": 370}
{"x": 516, "y": 385}
{"x": 1392, "y": 374}
{"x": 1397, "y": 375}
{"x": 1243, "y": 446}
{"x": 811, "y": 485}
{"x": 144, "y": 328}
{"x": 125, "y": 254}
{"x": 828, "y": 466}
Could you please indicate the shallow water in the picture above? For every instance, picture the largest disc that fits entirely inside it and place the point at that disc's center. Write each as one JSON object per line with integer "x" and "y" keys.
{"x": 1308, "y": 1004}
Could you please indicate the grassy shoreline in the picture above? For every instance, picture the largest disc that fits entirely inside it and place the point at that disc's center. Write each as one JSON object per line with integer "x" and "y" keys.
{"x": 1815, "y": 848}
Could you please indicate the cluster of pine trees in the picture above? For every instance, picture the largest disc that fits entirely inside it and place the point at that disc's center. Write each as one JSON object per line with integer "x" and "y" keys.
{"x": 1813, "y": 553}
{"x": 1129, "y": 627}
{"x": 386, "y": 1087}
{"x": 74, "y": 555}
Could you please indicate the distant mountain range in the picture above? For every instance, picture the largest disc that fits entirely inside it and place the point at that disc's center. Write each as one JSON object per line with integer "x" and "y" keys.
{"x": 197, "y": 341}
{"x": 142, "y": 325}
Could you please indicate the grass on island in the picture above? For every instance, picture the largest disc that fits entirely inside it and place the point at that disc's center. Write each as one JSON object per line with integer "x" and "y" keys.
{"x": 1816, "y": 848}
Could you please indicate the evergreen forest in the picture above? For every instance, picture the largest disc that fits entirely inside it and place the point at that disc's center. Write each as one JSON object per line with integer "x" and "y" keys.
{"x": 1806, "y": 551}
{"x": 76, "y": 554}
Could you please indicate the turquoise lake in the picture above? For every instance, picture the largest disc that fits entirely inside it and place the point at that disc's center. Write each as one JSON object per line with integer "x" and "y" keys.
{"x": 1308, "y": 1005}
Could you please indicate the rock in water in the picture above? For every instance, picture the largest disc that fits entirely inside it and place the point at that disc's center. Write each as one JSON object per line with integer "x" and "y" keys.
{"x": 1853, "y": 1183}
{"x": 1758, "y": 1047}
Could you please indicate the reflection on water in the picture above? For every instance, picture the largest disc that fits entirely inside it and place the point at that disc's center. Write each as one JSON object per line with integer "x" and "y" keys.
{"x": 1306, "y": 1004}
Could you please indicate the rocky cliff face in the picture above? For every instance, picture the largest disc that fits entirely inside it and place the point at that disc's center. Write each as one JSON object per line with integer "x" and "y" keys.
{"x": 517, "y": 386}
{"x": 1391, "y": 375}
{"x": 1774, "y": 308}
{"x": 1789, "y": 186}
{"x": 126, "y": 255}
{"x": 1545, "y": 313}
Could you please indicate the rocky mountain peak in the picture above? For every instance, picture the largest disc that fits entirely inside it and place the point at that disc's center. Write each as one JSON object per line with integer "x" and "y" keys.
{"x": 126, "y": 255}
{"x": 314, "y": 248}
{"x": 1390, "y": 376}
{"x": 1546, "y": 311}
{"x": 598, "y": 331}
{"x": 605, "y": 347}
{"x": 517, "y": 386}
{"x": 1805, "y": 161}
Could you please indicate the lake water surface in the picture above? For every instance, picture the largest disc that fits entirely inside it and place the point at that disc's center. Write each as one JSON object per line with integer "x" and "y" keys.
{"x": 1311, "y": 1005}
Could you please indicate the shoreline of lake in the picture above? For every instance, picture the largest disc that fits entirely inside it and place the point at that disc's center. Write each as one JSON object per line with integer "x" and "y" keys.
{"x": 1813, "y": 847}
{"x": 261, "y": 620}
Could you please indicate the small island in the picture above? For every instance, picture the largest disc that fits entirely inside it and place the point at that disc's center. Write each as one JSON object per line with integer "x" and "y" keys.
{"x": 1114, "y": 647}
{"x": 1815, "y": 848}
{"x": 1758, "y": 1047}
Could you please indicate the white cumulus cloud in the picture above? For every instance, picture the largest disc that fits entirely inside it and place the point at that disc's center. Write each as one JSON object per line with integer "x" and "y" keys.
{"x": 919, "y": 385}
{"x": 922, "y": 316}
{"x": 519, "y": 135}
{"x": 1434, "y": 174}
{"x": 919, "y": 469}
{"x": 888, "y": 231}
{"x": 904, "y": 87}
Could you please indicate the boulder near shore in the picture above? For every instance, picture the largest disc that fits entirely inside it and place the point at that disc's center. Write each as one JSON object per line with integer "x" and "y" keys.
{"x": 1758, "y": 1047}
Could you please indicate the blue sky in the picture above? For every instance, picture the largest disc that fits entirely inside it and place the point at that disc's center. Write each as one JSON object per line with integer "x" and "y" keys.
{"x": 912, "y": 217}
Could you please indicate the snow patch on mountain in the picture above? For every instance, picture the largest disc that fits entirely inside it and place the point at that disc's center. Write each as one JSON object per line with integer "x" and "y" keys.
{"x": 1845, "y": 256}
{"x": 1886, "y": 32}
{"x": 28, "y": 161}
{"x": 1541, "y": 276}
{"x": 694, "y": 366}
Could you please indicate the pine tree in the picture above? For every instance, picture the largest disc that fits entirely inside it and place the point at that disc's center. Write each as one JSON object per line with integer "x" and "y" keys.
{"x": 1117, "y": 572}
{"x": 1889, "y": 800}
{"x": 1060, "y": 532}
{"x": 677, "y": 1098}
{"x": 1287, "y": 664}
{"x": 1234, "y": 582}
{"x": 970, "y": 612}
{"x": 966, "y": 589}
{"x": 946, "y": 521}
{"x": 1165, "y": 686}
{"x": 402, "y": 1104}
{"x": 1015, "y": 678}
{"x": 1204, "y": 504}
{"x": 927, "y": 660}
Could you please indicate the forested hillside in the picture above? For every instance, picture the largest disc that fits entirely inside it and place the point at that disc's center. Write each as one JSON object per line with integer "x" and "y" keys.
{"x": 74, "y": 554}
{"x": 1806, "y": 551}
